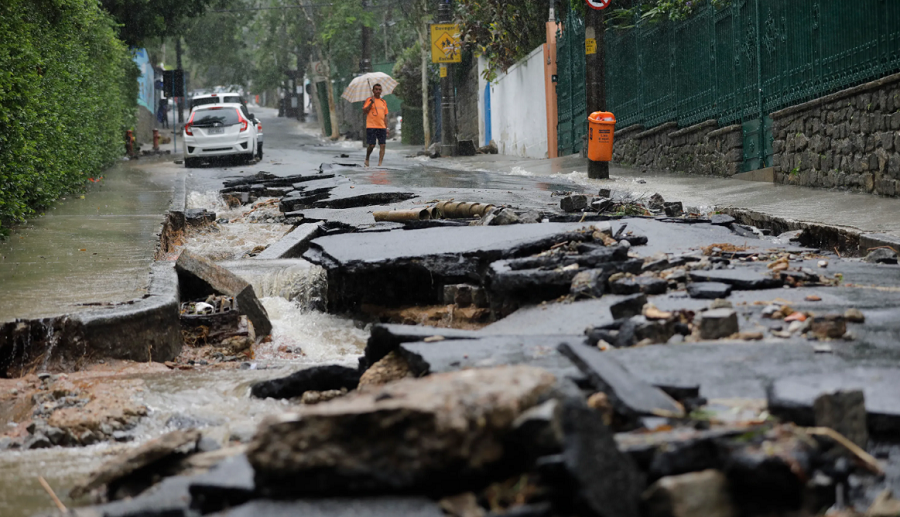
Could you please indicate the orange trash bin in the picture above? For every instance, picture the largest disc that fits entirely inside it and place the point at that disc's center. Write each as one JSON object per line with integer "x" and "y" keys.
{"x": 601, "y": 129}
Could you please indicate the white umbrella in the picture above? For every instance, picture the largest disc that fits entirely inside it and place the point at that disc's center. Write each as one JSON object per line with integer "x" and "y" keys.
{"x": 360, "y": 88}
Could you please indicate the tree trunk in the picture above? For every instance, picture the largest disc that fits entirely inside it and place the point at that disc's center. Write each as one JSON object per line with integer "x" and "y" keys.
{"x": 425, "y": 43}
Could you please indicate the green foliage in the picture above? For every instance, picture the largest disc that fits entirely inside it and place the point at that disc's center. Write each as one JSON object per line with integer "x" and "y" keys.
{"x": 626, "y": 14}
{"x": 218, "y": 44}
{"x": 408, "y": 73}
{"x": 68, "y": 90}
{"x": 502, "y": 31}
{"x": 141, "y": 20}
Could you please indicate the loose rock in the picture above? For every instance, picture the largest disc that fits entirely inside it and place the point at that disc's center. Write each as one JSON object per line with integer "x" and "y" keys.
{"x": 718, "y": 323}
{"x": 690, "y": 495}
{"x": 426, "y": 432}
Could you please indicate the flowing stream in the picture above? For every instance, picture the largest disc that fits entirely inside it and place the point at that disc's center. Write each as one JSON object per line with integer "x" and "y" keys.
{"x": 217, "y": 400}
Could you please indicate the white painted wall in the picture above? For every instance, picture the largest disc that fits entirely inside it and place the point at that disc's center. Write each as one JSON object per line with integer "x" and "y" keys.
{"x": 519, "y": 108}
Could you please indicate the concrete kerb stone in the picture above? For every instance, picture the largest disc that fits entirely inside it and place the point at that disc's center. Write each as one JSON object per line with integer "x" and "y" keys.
{"x": 147, "y": 329}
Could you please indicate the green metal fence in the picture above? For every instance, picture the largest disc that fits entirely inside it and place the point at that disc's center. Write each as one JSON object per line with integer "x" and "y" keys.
{"x": 743, "y": 61}
{"x": 570, "y": 86}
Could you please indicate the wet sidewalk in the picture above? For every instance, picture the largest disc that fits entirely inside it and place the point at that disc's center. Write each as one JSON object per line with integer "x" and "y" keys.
{"x": 863, "y": 212}
{"x": 91, "y": 248}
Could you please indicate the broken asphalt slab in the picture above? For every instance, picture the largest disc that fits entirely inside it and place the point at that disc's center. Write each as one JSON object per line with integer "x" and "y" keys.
{"x": 629, "y": 394}
{"x": 726, "y": 369}
{"x": 793, "y": 397}
{"x": 293, "y": 244}
{"x": 461, "y": 354}
{"x": 400, "y": 267}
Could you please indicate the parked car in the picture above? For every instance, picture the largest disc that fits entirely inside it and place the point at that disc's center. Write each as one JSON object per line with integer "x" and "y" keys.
{"x": 219, "y": 130}
{"x": 259, "y": 136}
{"x": 216, "y": 98}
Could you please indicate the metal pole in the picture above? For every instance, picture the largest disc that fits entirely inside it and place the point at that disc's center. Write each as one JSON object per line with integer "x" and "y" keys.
{"x": 595, "y": 78}
{"x": 448, "y": 96}
{"x": 174, "y": 125}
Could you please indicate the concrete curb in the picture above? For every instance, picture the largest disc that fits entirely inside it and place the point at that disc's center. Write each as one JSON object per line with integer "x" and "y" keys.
{"x": 147, "y": 329}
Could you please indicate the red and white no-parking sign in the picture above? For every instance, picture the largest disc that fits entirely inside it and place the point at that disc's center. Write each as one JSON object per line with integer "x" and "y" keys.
{"x": 598, "y": 4}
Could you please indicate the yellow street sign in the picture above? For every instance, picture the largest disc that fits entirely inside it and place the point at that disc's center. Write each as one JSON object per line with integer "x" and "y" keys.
{"x": 590, "y": 46}
{"x": 443, "y": 70}
{"x": 446, "y": 46}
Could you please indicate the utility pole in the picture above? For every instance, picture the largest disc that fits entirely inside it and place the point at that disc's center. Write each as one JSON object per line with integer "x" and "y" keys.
{"x": 595, "y": 77}
{"x": 365, "y": 66}
{"x": 178, "y": 66}
{"x": 448, "y": 95}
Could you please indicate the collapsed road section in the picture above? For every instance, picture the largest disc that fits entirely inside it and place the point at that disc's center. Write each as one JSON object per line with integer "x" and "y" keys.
{"x": 626, "y": 359}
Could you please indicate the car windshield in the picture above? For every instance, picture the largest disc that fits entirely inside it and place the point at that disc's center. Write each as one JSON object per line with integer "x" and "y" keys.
{"x": 215, "y": 117}
{"x": 204, "y": 100}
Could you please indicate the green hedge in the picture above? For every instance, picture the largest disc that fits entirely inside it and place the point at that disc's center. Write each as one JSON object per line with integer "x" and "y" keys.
{"x": 68, "y": 90}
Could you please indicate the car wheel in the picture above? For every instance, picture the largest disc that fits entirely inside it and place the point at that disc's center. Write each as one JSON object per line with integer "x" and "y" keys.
{"x": 259, "y": 151}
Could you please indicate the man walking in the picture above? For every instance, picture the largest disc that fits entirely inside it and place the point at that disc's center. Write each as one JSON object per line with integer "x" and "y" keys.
{"x": 376, "y": 112}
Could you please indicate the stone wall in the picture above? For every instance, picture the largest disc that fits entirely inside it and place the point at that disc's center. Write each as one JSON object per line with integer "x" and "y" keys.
{"x": 850, "y": 139}
{"x": 699, "y": 149}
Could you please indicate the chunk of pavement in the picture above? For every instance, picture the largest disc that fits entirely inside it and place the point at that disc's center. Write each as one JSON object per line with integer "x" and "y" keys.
{"x": 828, "y": 326}
{"x": 881, "y": 256}
{"x": 589, "y": 284}
{"x": 407, "y": 506}
{"x": 689, "y": 495}
{"x": 489, "y": 351}
{"x": 793, "y": 398}
{"x": 630, "y": 395}
{"x": 606, "y": 483}
{"x": 744, "y": 231}
{"x": 317, "y": 378}
{"x": 573, "y": 203}
{"x": 293, "y": 244}
{"x": 499, "y": 217}
{"x": 721, "y": 220}
{"x": 198, "y": 276}
{"x": 674, "y": 209}
{"x": 678, "y": 451}
{"x": 718, "y": 323}
{"x": 629, "y": 306}
{"x": 390, "y": 269}
{"x": 432, "y": 432}
{"x": 845, "y": 412}
{"x": 854, "y": 316}
{"x": 226, "y": 485}
{"x": 391, "y": 367}
{"x": 739, "y": 279}
{"x": 656, "y": 202}
{"x": 176, "y": 442}
{"x": 708, "y": 290}
{"x": 386, "y": 337}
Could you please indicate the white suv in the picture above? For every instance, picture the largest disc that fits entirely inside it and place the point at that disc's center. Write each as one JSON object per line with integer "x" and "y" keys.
{"x": 216, "y": 98}
{"x": 217, "y": 130}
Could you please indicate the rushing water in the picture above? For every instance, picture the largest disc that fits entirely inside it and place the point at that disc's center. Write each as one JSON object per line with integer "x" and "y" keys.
{"x": 217, "y": 400}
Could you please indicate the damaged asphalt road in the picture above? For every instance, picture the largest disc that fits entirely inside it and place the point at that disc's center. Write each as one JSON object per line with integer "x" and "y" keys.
{"x": 629, "y": 358}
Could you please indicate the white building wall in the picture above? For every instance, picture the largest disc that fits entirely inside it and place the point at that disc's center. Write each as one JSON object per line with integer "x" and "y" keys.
{"x": 519, "y": 108}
